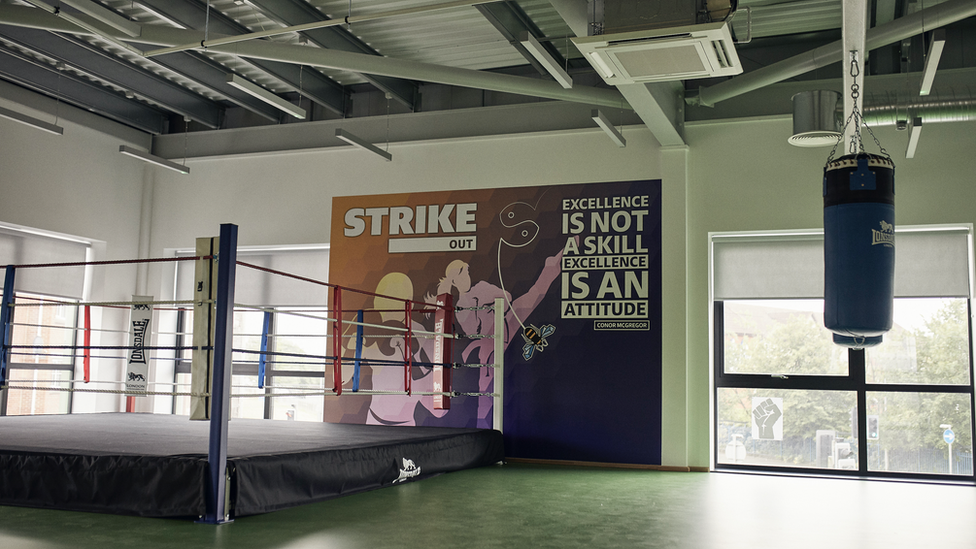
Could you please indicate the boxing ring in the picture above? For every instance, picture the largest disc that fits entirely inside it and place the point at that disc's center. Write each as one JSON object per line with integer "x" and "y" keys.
{"x": 216, "y": 469}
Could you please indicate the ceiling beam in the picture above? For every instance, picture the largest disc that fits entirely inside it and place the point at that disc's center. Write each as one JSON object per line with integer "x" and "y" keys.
{"x": 311, "y": 84}
{"x": 290, "y": 12}
{"x": 105, "y": 15}
{"x": 541, "y": 116}
{"x": 83, "y": 56}
{"x": 512, "y": 22}
{"x": 574, "y": 14}
{"x": 34, "y": 75}
{"x": 210, "y": 74}
{"x": 661, "y": 106}
{"x": 159, "y": 35}
{"x": 191, "y": 65}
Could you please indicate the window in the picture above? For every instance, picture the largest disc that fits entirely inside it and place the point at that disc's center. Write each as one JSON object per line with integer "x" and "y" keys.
{"x": 284, "y": 316}
{"x": 43, "y": 315}
{"x": 787, "y": 398}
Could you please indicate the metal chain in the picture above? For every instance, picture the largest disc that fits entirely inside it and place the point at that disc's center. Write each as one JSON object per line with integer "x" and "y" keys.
{"x": 857, "y": 144}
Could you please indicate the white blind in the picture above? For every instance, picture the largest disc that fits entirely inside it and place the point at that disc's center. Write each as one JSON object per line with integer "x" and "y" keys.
{"x": 929, "y": 262}
{"x": 25, "y": 247}
{"x": 263, "y": 289}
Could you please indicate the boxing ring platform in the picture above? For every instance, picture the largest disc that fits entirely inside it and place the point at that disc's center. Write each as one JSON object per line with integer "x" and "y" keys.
{"x": 157, "y": 465}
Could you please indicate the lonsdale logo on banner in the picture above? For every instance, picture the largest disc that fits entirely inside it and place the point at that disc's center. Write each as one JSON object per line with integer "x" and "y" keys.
{"x": 137, "y": 366}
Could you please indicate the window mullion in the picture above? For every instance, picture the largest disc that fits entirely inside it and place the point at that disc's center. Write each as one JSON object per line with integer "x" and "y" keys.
{"x": 855, "y": 358}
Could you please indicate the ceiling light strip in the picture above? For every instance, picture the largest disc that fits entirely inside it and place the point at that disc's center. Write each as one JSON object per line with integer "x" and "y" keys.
{"x": 318, "y": 25}
{"x": 362, "y": 144}
{"x": 258, "y": 92}
{"x": 31, "y": 121}
{"x": 602, "y": 121}
{"x": 916, "y": 132}
{"x": 936, "y": 45}
{"x": 541, "y": 55}
{"x": 153, "y": 159}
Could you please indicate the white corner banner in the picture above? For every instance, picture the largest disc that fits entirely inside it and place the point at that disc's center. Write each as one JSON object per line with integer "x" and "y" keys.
{"x": 140, "y": 332}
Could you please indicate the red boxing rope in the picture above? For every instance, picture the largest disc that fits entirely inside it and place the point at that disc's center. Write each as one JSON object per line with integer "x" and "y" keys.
{"x": 111, "y": 262}
{"x": 407, "y": 348}
{"x": 337, "y": 341}
{"x": 87, "y": 356}
{"x": 333, "y": 286}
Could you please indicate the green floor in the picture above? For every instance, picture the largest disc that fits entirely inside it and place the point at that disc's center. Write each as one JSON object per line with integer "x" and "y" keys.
{"x": 523, "y": 506}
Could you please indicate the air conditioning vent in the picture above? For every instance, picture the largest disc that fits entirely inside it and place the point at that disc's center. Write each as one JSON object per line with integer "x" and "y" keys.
{"x": 696, "y": 51}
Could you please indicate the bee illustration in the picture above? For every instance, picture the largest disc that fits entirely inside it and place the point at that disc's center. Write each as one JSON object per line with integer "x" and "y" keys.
{"x": 535, "y": 339}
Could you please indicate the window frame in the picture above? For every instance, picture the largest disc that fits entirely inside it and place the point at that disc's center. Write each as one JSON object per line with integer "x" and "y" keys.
{"x": 854, "y": 381}
{"x": 28, "y": 366}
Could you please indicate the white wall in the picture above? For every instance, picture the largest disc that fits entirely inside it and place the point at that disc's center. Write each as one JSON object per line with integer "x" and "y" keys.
{"x": 287, "y": 198}
{"x": 77, "y": 184}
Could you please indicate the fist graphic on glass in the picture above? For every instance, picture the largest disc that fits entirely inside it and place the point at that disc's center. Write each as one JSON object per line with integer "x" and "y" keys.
{"x": 766, "y": 414}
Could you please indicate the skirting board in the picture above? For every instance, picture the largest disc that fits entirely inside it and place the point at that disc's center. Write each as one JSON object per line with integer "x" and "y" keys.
{"x": 640, "y": 466}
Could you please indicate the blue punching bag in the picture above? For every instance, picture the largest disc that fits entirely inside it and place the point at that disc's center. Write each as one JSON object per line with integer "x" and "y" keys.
{"x": 859, "y": 248}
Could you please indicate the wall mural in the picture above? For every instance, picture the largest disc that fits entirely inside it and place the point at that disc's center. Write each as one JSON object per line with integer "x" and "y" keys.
{"x": 579, "y": 269}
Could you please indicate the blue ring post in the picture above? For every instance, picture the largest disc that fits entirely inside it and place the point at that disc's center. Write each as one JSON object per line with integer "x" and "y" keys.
{"x": 359, "y": 350}
{"x": 217, "y": 512}
{"x": 6, "y": 316}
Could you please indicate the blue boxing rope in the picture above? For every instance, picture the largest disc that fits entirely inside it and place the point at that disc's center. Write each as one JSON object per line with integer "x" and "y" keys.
{"x": 262, "y": 359}
{"x": 359, "y": 351}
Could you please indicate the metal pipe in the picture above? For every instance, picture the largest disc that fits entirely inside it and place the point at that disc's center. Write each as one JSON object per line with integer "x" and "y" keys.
{"x": 889, "y": 33}
{"x": 930, "y": 111}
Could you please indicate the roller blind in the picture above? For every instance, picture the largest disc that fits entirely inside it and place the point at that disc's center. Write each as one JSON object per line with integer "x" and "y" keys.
{"x": 20, "y": 246}
{"x": 263, "y": 289}
{"x": 929, "y": 262}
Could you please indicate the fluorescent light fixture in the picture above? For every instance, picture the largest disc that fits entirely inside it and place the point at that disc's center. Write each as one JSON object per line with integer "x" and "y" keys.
{"x": 932, "y": 61}
{"x": 600, "y": 64}
{"x": 358, "y": 142}
{"x": 253, "y": 89}
{"x": 31, "y": 121}
{"x": 916, "y": 132}
{"x": 604, "y": 123}
{"x": 541, "y": 55}
{"x": 153, "y": 159}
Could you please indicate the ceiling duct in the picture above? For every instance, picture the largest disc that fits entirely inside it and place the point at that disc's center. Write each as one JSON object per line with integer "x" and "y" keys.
{"x": 816, "y": 120}
{"x": 635, "y": 42}
{"x": 931, "y": 110}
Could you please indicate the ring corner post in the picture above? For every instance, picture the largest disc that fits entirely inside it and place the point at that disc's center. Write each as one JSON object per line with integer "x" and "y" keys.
{"x": 498, "y": 416}
{"x": 217, "y": 492}
{"x": 443, "y": 351}
{"x": 6, "y": 319}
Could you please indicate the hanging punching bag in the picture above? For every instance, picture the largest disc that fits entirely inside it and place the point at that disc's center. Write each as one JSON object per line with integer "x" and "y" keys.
{"x": 859, "y": 248}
